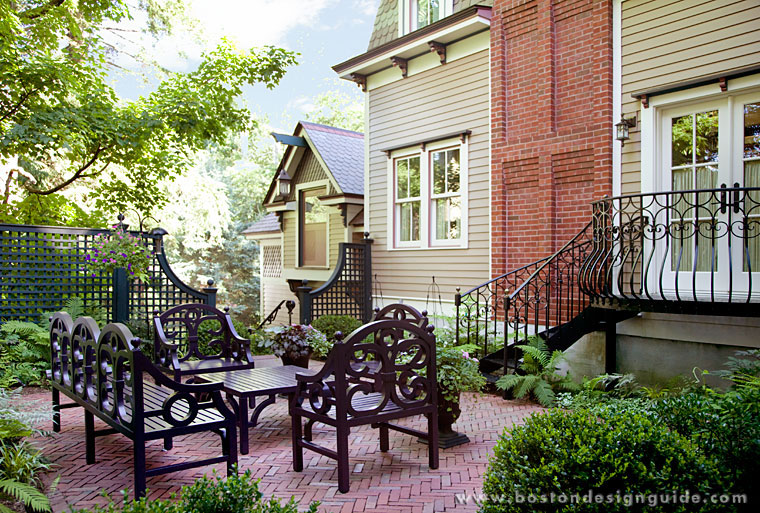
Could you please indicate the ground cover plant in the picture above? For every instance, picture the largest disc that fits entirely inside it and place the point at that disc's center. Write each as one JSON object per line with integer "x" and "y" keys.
{"x": 238, "y": 493}
{"x": 21, "y": 464}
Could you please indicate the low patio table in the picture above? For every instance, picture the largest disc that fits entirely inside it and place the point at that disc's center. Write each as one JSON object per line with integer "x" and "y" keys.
{"x": 243, "y": 386}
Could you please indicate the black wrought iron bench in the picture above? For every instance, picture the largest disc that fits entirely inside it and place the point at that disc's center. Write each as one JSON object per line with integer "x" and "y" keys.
{"x": 106, "y": 373}
{"x": 372, "y": 383}
{"x": 176, "y": 342}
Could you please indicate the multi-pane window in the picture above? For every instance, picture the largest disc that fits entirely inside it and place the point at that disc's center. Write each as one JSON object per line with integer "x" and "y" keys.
{"x": 407, "y": 199}
{"x": 427, "y": 202}
{"x": 694, "y": 165}
{"x": 313, "y": 220}
{"x": 427, "y": 11}
{"x": 445, "y": 197}
{"x": 421, "y": 13}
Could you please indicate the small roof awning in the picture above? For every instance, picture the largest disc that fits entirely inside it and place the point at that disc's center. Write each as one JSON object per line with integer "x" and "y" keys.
{"x": 290, "y": 140}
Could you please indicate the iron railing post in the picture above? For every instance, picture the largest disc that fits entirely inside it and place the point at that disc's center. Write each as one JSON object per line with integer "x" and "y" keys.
{"x": 304, "y": 297}
{"x": 367, "y": 278}
{"x": 457, "y": 302}
{"x": 210, "y": 292}
{"x": 120, "y": 303}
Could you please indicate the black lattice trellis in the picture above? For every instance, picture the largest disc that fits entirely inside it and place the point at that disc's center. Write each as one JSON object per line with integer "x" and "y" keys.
{"x": 348, "y": 291}
{"x": 42, "y": 266}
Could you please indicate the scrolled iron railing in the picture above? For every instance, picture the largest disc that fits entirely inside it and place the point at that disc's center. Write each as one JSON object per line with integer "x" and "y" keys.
{"x": 679, "y": 248}
{"x": 480, "y": 316}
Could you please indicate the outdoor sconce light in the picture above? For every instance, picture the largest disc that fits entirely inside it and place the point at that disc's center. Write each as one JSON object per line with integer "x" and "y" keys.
{"x": 283, "y": 184}
{"x": 623, "y": 127}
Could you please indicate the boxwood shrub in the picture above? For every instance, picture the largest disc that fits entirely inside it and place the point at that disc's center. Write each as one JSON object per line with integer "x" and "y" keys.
{"x": 329, "y": 324}
{"x": 611, "y": 456}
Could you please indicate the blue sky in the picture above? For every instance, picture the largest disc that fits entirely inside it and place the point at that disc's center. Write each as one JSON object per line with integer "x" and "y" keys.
{"x": 324, "y": 32}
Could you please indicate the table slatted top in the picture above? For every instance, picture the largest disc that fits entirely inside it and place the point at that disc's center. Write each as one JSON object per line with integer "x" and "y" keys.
{"x": 261, "y": 381}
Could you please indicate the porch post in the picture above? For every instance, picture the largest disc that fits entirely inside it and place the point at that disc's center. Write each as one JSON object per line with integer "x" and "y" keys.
{"x": 367, "y": 278}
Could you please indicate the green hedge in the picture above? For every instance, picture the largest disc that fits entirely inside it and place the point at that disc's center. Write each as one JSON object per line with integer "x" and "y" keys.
{"x": 329, "y": 324}
{"x": 611, "y": 455}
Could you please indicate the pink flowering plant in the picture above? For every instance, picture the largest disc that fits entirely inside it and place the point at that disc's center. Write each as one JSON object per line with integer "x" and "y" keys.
{"x": 457, "y": 371}
{"x": 119, "y": 249}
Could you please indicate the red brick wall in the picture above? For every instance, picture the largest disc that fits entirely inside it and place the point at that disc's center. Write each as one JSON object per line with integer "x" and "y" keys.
{"x": 551, "y": 121}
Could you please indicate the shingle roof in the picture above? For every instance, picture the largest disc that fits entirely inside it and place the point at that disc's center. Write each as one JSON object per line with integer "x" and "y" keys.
{"x": 267, "y": 224}
{"x": 343, "y": 152}
{"x": 386, "y": 20}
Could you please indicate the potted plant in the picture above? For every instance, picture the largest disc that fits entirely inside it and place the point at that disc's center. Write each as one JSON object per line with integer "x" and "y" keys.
{"x": 457, "y": 372}
{"x": 119, "y": 250}
{"x": 293, "y": 344}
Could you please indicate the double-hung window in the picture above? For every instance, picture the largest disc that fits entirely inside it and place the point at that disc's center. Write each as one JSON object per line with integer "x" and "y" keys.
{"x": 428, "y": 197}
{"x": 445, "y": 197}
{"x": 408, "y": 201}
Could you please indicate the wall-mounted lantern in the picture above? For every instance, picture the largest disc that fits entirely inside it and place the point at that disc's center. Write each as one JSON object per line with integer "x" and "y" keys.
{"x": 283, "y": 184}
{"x": 622, "y": 129}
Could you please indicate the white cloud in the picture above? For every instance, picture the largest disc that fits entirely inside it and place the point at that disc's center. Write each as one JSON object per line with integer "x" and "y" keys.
{"x": 367, "y": 7}
{"x": 301, "y": 104}
{"x": 256, "y": 22}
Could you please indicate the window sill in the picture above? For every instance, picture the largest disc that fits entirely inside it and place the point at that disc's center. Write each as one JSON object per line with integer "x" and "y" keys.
{"x": 428, "y": 248}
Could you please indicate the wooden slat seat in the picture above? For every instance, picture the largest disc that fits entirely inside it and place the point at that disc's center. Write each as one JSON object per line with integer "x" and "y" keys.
{"x": 150, "y": 404}
{"x": 191, "y": 367}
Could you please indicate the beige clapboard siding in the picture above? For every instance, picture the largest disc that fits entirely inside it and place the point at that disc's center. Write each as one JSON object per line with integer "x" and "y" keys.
{"x": 289, "y": 229}
{"x": 274, "y": 290}
{"x": 440, "y": 101}
{"x": 337, "y": 235}
{"x": 665, "y": 42}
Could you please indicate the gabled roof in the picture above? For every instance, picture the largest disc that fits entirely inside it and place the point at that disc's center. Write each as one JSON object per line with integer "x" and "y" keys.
{"x": 343, "y": 153}
{"x": 267, "y": 224}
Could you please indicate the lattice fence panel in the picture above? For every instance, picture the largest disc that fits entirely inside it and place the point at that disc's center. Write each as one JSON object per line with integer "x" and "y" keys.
{"x": 42, "y": 266}
{"x": 271, "y": 257}
{"x": 348, "y": 294}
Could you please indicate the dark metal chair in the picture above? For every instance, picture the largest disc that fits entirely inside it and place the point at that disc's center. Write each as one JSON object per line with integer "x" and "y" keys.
{"x": 372, "y": 381}
{"x": 176, "y": 341}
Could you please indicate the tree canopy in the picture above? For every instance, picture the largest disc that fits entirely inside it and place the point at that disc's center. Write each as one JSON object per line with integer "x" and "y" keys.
{"x": 64, "y": 122}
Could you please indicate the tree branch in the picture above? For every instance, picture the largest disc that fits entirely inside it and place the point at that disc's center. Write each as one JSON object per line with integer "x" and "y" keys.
{"x": 77, "y": 175}
{"x": 18, "y": 105}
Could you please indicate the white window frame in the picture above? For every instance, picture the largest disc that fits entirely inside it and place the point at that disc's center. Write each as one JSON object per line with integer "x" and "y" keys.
{"x": 427, "y": 232}
{"x": 407, "y": 9}
{"x": 320, "y": 184}
{"x": 396, "y": 207}
{"x": 655, "y": 174}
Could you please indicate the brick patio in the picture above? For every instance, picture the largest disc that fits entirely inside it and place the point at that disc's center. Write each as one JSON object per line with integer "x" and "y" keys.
{"x": 397, "y": 481}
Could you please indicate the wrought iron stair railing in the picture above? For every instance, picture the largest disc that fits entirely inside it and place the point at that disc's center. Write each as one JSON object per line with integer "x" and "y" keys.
{"x": 289, "y": 305}
{"x": 542, "y": 298}
{"x": 695, "y": 251}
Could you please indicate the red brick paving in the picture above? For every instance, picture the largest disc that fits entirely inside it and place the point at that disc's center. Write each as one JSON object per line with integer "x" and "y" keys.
{"x": 397, "y": 481}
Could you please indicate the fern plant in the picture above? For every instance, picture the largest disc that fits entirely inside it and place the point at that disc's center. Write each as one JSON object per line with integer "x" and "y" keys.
{"x": 28, "y": 495}
{"x": 24, "y": 353}
{"x": 539, "y": 376}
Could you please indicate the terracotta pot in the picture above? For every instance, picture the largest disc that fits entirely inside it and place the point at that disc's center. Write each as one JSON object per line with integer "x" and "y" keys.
{"x": 301, "y": 361}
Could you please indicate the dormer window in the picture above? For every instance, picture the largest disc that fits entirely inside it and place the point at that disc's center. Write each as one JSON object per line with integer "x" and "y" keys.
{"x": 416, "y": 14}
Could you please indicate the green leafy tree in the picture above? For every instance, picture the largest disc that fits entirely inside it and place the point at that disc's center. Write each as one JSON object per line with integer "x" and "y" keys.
{"x": 338, "y": 109}
{"x": 66, "y": 124}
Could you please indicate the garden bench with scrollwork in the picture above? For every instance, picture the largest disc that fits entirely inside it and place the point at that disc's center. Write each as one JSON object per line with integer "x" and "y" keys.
{"x": 376, "y": 380}
{"x": 106, "y": 373}
{"x": 177, "y": 349}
